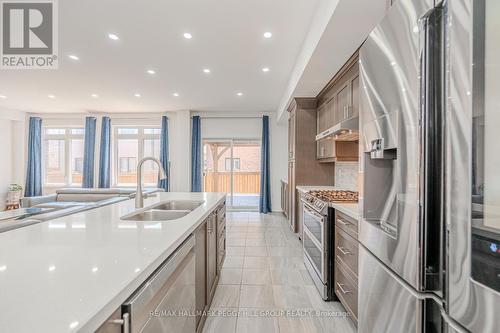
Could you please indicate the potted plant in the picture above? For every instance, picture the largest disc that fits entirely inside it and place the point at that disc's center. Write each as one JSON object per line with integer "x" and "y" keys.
{"x": 15, "y": 193}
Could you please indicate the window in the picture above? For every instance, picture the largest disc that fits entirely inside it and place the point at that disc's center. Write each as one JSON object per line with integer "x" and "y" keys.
{"x": 152, "y": 131}
{"x": 63, "y": 156}
{"x": 236, "y": 164}
{"x": 78, "y": 165}
{"x": 132, "y": 144}
{"x": 128, "y": 131}
{"x": 127, "y": 164}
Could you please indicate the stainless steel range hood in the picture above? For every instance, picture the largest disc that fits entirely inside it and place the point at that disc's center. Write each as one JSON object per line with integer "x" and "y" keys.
{"x": 346, "y": 130}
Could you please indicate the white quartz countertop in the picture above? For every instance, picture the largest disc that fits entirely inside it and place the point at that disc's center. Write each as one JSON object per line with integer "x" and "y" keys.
{"x": 70, "y": 274}
{"x": 350, "y": 209}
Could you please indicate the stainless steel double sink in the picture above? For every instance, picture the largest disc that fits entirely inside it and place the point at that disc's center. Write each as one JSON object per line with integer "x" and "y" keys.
{"x": 164, "y": 211}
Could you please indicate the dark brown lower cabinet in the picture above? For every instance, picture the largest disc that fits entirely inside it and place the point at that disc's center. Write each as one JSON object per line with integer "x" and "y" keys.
{"x": 221, "y": 236}
{"x": 210, "y": 252}
{"x": 346, "y": 263}
{"x": 211, "y": 256}
{"x": 201, "y": 275}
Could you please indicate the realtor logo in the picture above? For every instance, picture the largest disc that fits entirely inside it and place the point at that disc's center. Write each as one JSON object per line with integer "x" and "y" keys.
{"x": 29, "y": 34}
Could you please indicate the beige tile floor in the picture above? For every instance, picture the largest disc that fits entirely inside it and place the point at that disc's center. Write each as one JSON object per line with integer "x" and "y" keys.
{"x": 264, "y": 286}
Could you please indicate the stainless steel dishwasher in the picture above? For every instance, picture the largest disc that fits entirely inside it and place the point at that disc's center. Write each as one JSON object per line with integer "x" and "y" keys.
{"x": 166, "y": 301}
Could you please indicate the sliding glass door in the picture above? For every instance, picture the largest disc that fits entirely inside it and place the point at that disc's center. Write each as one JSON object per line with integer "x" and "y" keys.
{"x": 233, "y": 166}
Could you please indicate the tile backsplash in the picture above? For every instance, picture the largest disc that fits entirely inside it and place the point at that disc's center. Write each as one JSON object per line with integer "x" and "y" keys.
{"x": 346, "y": 175}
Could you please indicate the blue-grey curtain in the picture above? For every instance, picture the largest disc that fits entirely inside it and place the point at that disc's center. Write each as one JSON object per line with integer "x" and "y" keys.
{"x": 164, "y": 183}
{"x": 196, "y": 155}
{"x": 88, "y": 152}
{"x": 105, "y": 154}
{"x": 265, "y": 179}
{"x": 34, "y": 173}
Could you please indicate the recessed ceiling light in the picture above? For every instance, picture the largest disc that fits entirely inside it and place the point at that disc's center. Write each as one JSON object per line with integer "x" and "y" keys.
{"x": 51, "y": 96}
{"x": 94, "y": 96}
{"x": 239, "y": 94}
{"x": 187, "y": 35}
{"x": 137, "y": 95}
{"x": 73, "y": 57}
{"x": 3, "y": 96}
{"x": 150, "y": 71}
{"x": 73, "y": 324}
{"x": 3, "y": 268}
{"x": 52, "y": 268}
{"x": 175, "y": 94}
{"x": 95, "y": 269}
{"x": 267, "y": 34}
{"x": 113, "y": 37}
{"x": 265, "y": 69}
{"x": 206, "y": 70}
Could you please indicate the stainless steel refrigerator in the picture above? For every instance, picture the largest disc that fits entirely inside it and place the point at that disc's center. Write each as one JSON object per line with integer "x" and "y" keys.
{"x": 430, "y": 126}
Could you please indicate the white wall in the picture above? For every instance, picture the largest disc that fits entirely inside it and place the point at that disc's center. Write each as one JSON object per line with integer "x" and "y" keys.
{"x": 279, "y": 158}
{"x": 216, "y": 127}
{"x": 12, "y": 137}
{"x": 223, "y": 125}
{"x": 180, "y": 151}
{"x": 245, "y": 126}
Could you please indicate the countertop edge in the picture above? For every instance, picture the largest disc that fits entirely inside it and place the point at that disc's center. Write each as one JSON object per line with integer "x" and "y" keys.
{"x": 340, "y": 207}
{"x": 100, "y": 317}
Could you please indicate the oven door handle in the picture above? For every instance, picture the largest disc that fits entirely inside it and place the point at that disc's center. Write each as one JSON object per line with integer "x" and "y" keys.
{"x": 312, "y": 212}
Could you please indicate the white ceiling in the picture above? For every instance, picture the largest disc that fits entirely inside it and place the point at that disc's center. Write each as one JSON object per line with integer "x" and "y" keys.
{"x": 345, "y": 30}
{"x": 227, "y": 38}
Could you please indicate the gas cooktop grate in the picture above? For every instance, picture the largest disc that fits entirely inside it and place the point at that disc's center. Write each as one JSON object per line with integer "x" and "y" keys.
{"x": 335, "y": 195}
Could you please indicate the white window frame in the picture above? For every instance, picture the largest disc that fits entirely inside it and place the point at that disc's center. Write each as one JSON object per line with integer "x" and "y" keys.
{"x": 67, "y": 137}
{"x": 140, "y": 137}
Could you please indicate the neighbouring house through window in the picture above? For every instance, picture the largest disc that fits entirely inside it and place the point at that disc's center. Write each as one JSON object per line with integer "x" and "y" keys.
{"x": 132, "y": 143}
{"x": 62, "y": 156}
{"x": 128, "y": 164}
{"x": 236, "y": 164}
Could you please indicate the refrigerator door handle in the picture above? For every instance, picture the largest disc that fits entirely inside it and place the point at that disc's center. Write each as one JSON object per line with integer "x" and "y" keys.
{"x": 431, "y": 141}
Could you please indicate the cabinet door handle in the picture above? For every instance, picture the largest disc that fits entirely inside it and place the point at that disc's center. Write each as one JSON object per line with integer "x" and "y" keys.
{"x": 343, "y": 250}
{"x": 342, "y": 222}
{"x": 344, "y": 291}
{"x": 209, "y": 225}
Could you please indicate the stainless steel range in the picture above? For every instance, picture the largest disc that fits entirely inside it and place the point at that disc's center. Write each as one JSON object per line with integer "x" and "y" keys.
{"x": 318, "y": 239}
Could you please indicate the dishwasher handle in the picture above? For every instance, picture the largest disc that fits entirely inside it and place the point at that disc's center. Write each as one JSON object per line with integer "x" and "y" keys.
{"x": 125, "y": 322}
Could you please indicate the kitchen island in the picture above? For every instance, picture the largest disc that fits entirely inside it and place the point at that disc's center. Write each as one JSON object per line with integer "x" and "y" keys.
{"x": 70, "y": 274}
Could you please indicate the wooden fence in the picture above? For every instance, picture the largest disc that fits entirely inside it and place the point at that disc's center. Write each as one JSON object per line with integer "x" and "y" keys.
{"x": 244, "y": 182}
{"x": 149, "y": 177}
